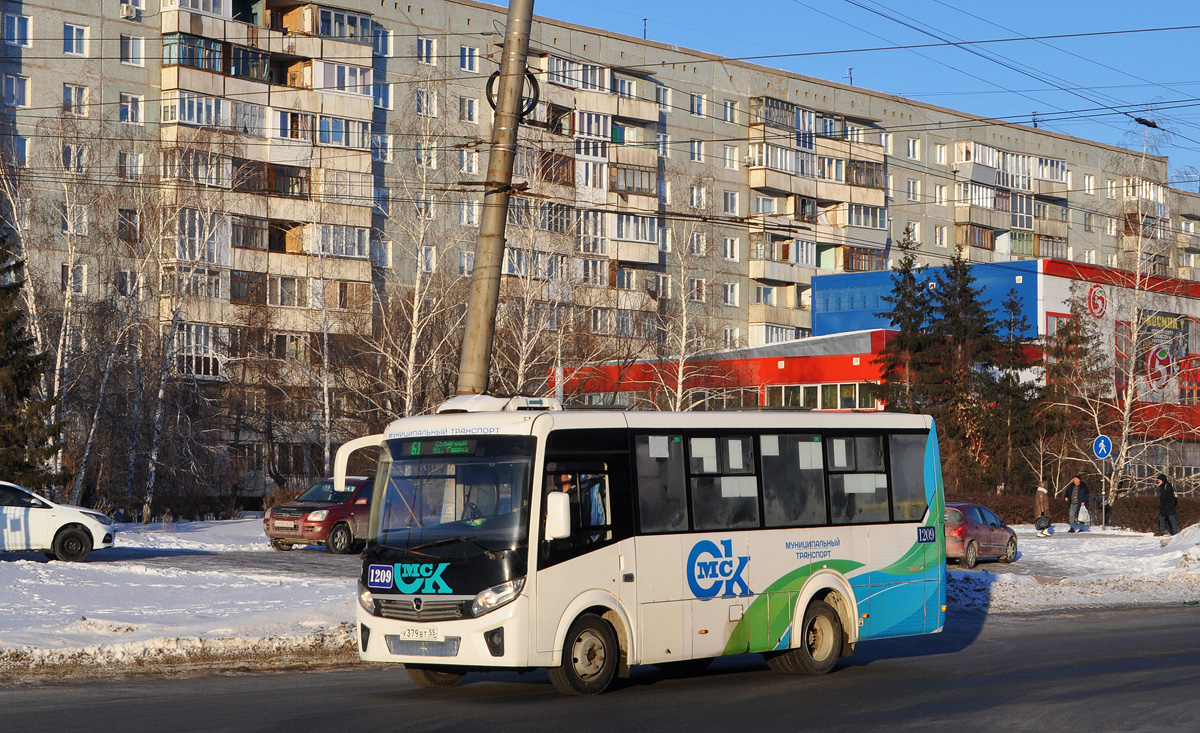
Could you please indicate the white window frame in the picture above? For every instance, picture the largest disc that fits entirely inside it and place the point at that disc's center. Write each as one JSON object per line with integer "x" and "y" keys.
{"x": 76, "y": 38}
{"x": 17, "y": 30}
{"x": 468, "y": 59}
{"x": 426, "y": 51}
{"x": 16, "y": 91}
{"x": 131, "y": 107}
{"x": 696, "y": 103}
{"x": 133, "y": 50}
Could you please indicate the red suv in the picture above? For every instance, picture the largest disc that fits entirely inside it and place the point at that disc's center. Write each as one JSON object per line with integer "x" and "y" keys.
{"x": 974, "y": 531}
{"x": 322, "y": 516}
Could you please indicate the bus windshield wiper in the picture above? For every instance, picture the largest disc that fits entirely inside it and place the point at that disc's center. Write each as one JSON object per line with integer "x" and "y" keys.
{"x": 492, "y": 554}
{"x": 411, "y": 550}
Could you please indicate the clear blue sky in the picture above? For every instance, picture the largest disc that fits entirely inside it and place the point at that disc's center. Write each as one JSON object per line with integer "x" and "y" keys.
{"x": 1088, "y": 86}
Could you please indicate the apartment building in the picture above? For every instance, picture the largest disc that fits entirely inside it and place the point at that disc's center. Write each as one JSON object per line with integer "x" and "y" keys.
{"x": 272, "y": 183}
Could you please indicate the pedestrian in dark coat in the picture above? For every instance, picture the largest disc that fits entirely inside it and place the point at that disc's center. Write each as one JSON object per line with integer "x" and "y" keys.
{"x": 1041, "y": 508}
{"x": 1077, "y": 495}
{"x": 1167, "y": 504}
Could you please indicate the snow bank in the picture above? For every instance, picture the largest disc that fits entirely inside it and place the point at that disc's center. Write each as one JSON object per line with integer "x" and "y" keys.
{"x": 134, "y": 611}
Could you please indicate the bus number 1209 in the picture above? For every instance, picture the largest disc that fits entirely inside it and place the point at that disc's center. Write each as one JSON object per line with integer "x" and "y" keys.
{"x": 926, "y": 534}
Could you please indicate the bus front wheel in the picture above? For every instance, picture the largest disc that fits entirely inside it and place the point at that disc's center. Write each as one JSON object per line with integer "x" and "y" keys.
{"x": 433, "y": 678}
{"x": 820, "y": 643}
{"x": 590, "y": 657}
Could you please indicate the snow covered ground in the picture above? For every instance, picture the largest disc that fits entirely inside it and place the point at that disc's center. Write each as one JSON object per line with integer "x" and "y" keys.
{"x": 157, "y": 600}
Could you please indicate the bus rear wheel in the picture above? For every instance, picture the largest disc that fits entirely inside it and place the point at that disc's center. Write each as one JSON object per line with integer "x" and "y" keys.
{"x": 590, "y": 657}
{"x": 820, "y": 643}
{"x": 433, "y": 678}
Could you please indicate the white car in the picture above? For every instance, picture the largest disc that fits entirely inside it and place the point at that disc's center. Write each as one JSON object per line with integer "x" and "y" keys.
{"x": 32, "y": 523}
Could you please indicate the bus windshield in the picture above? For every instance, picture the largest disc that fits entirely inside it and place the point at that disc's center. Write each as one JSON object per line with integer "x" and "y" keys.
{"x": 453, "y": 497}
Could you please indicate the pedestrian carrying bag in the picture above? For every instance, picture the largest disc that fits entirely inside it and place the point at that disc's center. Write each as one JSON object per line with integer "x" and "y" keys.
{"x": 1042, "y": 523}
{"x": 1084, "y": 515}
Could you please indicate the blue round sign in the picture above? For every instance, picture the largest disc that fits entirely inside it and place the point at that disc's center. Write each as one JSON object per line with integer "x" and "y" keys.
{"x": 1102, "y": 446}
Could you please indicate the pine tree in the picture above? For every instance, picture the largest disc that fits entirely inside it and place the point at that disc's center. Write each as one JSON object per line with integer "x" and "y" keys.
{"x": 27, "y": 439}
{"x": 962, "y": 359}
{"x": 901, "y": 359}
{"x": 1015, "y": 397}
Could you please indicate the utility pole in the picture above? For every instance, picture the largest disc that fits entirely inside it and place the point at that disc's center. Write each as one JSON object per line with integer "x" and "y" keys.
{"x": 476, "y": 356}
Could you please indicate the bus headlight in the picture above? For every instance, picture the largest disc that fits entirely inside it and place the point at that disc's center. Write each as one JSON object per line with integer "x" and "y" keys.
{"x": 318, "y": 515}
{"x": 367, "y": 600}
{"x": 497, "y": 596}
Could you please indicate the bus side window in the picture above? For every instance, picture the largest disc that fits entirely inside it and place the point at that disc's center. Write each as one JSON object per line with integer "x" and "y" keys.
{"x": 857, "y": 484}
{"x": 908, "y": 477}
{"x": 793, "y": 480}
{"x": 662, "y": 492}
{"x": 727, "y": 498}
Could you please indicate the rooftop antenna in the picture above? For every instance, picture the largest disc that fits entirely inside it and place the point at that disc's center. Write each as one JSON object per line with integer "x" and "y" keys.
{"x": 850, "y": 74}
{"x": 644, "y": 28}
{"x": 1035, "y": 118}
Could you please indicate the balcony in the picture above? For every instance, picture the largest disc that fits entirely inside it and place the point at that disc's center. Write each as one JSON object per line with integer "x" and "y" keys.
{"x": 640, "y": 252}
{"x": 775, "y": 315}
{"x": 780, "y": 272}
{"x": 771, "y": 181}
{"x": 1053, "y": 189}
{"x": 639, "y": 155}
{"x": 1051, "y": 228}
{"x": 977, "y": 173}
{"x": 636, "y": 109}
{"x": 979, "y": 216}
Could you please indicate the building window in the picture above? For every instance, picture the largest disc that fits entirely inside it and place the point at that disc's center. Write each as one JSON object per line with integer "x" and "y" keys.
{"x": 74, "y": 279}
{"x": 729, "y": 111}
{"x": 382, "y": 41}
{"x": 662, "y": 141}
{"x": 428, "y": 259}
{"x": 383, "y": 96}
{"x": 731, "y": 157}
{"x": 939, "y": 154}
{"x": 1110, "y": 189}
{"x": 662, "y": 95}
{"x": 16, "y": 91}
{"x": 699, "y": 197}
{"x": 764, "y": 295}
{"x": 468, "y": 109}
{"x": 129, "y": 165}
{"x": 130, "y": 110}
{"x": 128, "y": 229}
{"x": 626, "y": 278}
{"x": 74, "y": 219}
{"x": 16, "y": 30}
{"x": 468, "y": 161}
{"x": 427, "y": 51}
{"x": 696, "y": 104}
{"x": 914, "y": 148}
{"x": 729, "y": 294}
{"x": 939, "y": 194}
{"x": 74, "y": 158}
{"x": 1089, "y": 221}
{"x": 731, "y": 249}
{"x": 730, "y": 337}
{"x": 913, "y": 190}
{"x": 695, "y": 291}
{"x": 468, "y": 213}
{"x": 426, "y": 103}
{"x": 729, "y": 203}
{"x": 346, "y": 26}
{"x": 74, "y": 101}
{"x": 625, "y": 88}
{"x": 468, "y": 58}
{"x": 1089, "y": 184}
{"x": 595, "y": 272}
{"x": 696, "y": 244}
{"x": 696, "y": 150}
{"x": 288, "y": 292}
{"x": 75, "y": 40}
{"x": 133, "y": 50}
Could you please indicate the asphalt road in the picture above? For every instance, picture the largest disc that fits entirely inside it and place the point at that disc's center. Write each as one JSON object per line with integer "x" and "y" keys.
{"x": 1129, "y": 670}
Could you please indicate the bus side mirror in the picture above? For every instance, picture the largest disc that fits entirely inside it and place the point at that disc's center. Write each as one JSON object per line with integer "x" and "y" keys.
{"x": 558, "y": 515}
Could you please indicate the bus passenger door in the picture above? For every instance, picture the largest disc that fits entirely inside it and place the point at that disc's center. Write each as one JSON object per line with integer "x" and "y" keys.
{"x": 717, "y": 566}
{"x": 662, "y": 612}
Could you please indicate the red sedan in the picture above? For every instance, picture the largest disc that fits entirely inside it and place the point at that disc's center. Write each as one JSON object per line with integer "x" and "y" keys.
{"x": 974, "y": 532}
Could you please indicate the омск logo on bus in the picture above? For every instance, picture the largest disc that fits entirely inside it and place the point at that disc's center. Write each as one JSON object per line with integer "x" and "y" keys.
{"x": 409, "y": 577}
{"x": 712, "y": 568}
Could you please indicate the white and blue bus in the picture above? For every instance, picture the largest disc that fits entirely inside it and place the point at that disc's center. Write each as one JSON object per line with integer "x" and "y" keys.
{"x": 512, "y": 536}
